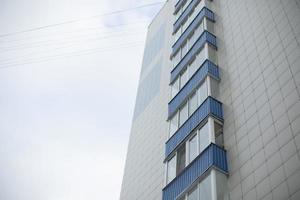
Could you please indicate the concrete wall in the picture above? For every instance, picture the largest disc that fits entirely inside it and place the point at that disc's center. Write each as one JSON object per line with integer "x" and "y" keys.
{"x": 144, "y": 170}
{"x": 259, "y": 59}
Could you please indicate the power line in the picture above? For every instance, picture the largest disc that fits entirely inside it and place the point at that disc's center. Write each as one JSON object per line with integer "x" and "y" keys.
{"x": 78, "y": 20}
{"x": 81, "y": 30}
{"x": 69, "y": 40}
{"x": 75, "y": 53}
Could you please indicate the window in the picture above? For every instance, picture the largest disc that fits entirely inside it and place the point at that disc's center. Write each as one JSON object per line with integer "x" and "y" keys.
{"x": 173, "y": 124}
{"x": 222, "y": 188}
{"x": 171, "y": 171}
{"x": 209, "y": 25}
{"x": 193, "y": 103}
{"x": 193, "y": 194}
{"x": 192, "y": 68}
{"x": 214, "y": 88}
{"x": 177, "y": 15}
{"x": 199, "y": 30}
{"x": 200, "y": 58}
{"x": 218, "y": 134}
{"x": 194, "y": 14}
{"x": 176, "y": 59}
{"x": 185, "y": 25}
{"x": 212, "y": 54}
{"x": 193, "y": 148}
{"x": 203, "y": 137}
{"x": 177, "y": 34}
{"x": 183, "y": 114}
{"x": 192, "y": 40}
{"x": 205, "y": 188}
{"x": 184, "y": 77}
{"x": 180, "y": 159}
{"x": 174, "y": 88}
{"x": 202, "y": 93}
{"x": 184, "y": 49}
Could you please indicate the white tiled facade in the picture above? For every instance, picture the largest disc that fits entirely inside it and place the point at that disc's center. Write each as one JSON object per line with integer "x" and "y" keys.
{"x": 144, "y": 169}
{"x": 259, "y": 61}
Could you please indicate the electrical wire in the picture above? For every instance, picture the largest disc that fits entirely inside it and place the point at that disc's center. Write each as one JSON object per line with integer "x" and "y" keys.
{"x": 80, "y": 30}
{"x": 66, "y": 45}
{"x": 67, "y": 40}
{"x": 71, "y": 54}
{"x": 78, "y": 20}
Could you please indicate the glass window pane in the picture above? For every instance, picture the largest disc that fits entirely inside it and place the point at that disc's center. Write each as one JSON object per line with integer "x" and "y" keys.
{"x": 201, "y": 57}
{"x": 191, "y": 40}
{"x": 218, "y": 134}
{"x": 199, "y": 30}
{"x": 192, "y": 68}
{"x": 184, "y": 49}
{"x": 222, "y": 189}
{"x": 193, "y": 148}
{"x": 173, "y": 124}
{"x": 184, "y": 77}
{"x": 193, "y": 195}
{"x": 177, "y": 34}
{"x": 205, "y": 188}
{"x": 202, "y": 93}
{"x": 171, "y": 169}
{"x": 185, "y": 25}
{"x": 203, "y": 138}
{"x": 209, "y": 26}
{"x": 176, "y": 59}
{"x": 180, "y": 159}
{"x": 193, "y": 15}
{"x": 175, "y": 88}
{"x": 214, "y": 86}
{"x": 183, "y": 114}
{"x": 185, "y": 5}
{"x": 193, "y": 104}
{"x": 212, "y": 54}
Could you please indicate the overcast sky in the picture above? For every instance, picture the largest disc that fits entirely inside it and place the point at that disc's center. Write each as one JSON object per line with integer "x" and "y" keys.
{"x": 67, "y": 95}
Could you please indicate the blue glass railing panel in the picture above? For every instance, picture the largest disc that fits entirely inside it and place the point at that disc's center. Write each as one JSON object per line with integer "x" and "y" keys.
{"x": 178, "y": 5}
{"x": 205, "y": 37}
{"x": 210, "y": 106}
{"x": 204, "y": 12}
{"x": 206, "y": 68}
{"x": 185, "y": 15}
{"x": 212, "y": 156}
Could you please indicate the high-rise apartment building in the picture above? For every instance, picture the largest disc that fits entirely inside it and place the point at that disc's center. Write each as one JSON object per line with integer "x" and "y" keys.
{"x": 217, "y": 113}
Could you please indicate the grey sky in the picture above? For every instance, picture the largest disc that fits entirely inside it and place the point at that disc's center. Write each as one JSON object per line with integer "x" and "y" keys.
{"x": 67, "y": 96}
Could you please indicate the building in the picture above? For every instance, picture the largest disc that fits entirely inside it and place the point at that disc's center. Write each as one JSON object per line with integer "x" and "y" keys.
{"x": 217, "y": 113}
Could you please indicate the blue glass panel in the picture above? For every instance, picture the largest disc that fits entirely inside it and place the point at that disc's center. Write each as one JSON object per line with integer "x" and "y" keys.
{"x": 205, "y": 37}
{"x": 205, "y": 12}
{"x": 206, "y": 68}
{"x": 178, "y": 5}
{"x": 212, "y": 156}
{"x": 209, "y": 107}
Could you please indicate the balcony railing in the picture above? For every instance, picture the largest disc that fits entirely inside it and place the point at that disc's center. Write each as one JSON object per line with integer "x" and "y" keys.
{"x": 205, "y": 37}
{"x": 178, "y": 5}
{"x": 207, "y": 68}
{"x": 212, "y": 156}
{"x": 209, "y": 107}
{"x": 205, "y": 12}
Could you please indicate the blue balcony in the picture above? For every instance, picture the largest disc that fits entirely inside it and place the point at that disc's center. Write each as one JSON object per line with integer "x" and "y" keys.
{"x": 209, "y": 107}
{"x": 178, "y": 5}
{"x": 205, "y": 37}
{"x": 205, "y": 12}
{"x": 207, "y": 68}
{"x": 212, "y": 156}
